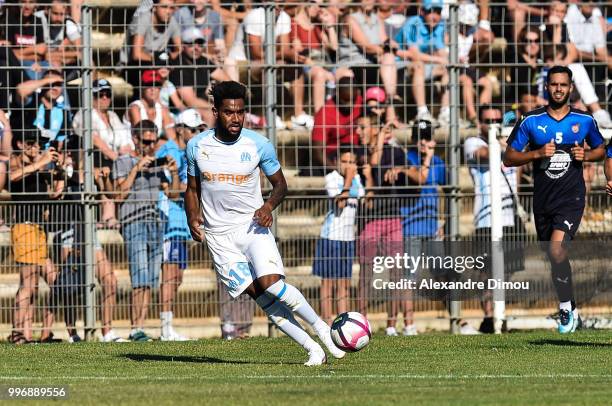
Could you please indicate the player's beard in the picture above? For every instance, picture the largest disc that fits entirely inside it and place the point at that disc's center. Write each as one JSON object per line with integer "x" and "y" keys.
{"x": 557, "y": 105}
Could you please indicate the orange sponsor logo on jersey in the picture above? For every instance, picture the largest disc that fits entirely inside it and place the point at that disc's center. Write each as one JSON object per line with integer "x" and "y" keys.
{"x": 226, "y": 178}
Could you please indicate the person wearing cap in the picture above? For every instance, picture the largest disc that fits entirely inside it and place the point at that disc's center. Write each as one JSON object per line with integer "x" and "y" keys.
{"x": 192, "y": 73}
{"x": 148, "y": 107}
{"x": 176, "y": 230}
{"x": 31, "y": 182}
{"x": 375, "y": 102}
{"x": 422, "y": 41}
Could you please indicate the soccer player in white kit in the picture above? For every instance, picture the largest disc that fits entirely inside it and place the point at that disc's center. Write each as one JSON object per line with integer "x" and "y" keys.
{"x": 223, "y": 201}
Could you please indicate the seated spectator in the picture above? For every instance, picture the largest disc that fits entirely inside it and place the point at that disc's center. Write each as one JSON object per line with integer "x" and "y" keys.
{"x": 557, "y": 34}
{"x": 248, "y": 52}
{"x": 422, "y": 42}
{"x": 232, "y": 13}
{"x": 468, "y": 18}
{"x": 366, "y": 49}
{"x": 313, "y": 33}
{"x": 153, "y": 38}
{"x": 31, "y": 182}
{"x": 585, "y": 31}
{"x": 334, "y": 125}
{"x": 24, "y": 33}
{"x": 193, "y": 72}
{"x": 527, "y": 61}
{"x": 208, "y": 21}
{"x": 62, "y": 35}
{"x": 43, "y": 106}
{"x": 335, "y": 251}
{"x": 6, "y": 139}
{"x": 149, "y": 107}
{"x": 523, "y": 13}
{"x": 393, "y": 16}
{"x": 529, "y": 100}
{"x": 168, "y": 96}
{"x": 111, "y": 138}
{"x": 138, "y": 179}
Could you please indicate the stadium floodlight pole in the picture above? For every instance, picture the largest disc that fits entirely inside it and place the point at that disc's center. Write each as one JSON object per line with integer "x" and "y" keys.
{"x": 88, "y": 195}
{"x": 270, "y": 100}
{"x": 454, "y": 145}
{"x": 497, "y": 252}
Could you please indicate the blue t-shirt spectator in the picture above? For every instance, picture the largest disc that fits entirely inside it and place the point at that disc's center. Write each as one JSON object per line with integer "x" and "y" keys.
{"x": 415, "y": 32}
{"x": 173, "y": 212}
{"x": 421, "y": 218}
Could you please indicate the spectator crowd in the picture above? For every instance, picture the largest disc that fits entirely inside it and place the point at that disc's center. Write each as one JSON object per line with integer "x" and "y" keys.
{"x": 350, "y": 74}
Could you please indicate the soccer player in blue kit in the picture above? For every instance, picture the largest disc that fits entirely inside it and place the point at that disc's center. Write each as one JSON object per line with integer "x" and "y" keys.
{"x": 223, "y": 202}
{"x": 555, "y": 136}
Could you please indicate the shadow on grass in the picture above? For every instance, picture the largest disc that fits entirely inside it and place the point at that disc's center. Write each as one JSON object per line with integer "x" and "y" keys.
{"x": 197, "y": 360}
{"x": 569, "y": 343}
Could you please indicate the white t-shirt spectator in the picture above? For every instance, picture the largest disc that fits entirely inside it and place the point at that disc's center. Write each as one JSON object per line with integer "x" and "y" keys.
{"x": 339, "y": 225}
{"x": 255, "y": 24}
{"x": 586, "y": 34}
{"x": 116, "y": 136}
{"x": 482, "y": 186}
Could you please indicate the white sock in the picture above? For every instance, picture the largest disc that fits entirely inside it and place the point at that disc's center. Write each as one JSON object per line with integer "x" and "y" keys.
{"x": 565, "y": 306}
{"x": 444, "y": 109}
{"x": 422, "y": 110}
{"x": 284, "y": 320}
{"x": 166, "y": 322}
{"x": 291, "y": 297}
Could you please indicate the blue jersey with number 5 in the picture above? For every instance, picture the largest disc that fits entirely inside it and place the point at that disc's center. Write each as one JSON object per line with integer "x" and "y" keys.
{"x": 558, "y": 180}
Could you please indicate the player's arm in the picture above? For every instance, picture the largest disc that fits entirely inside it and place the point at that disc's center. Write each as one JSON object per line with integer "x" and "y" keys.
{"x": 518, "y": 140}
{"x": 263, "y": 215}
{"x": 192, "y": 208}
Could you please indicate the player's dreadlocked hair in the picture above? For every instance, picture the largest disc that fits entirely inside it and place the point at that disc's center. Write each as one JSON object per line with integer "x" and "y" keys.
{"x": 228, "y": 90}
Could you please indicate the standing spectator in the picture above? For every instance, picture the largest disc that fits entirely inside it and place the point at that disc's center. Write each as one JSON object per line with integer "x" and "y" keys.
{"x": 148, "y": 107}
{"x": 201, "y": 16}
{"x": 111, "y": 138}
{"x": 31, "y": 182}
{"x": 334, "y": 124}
{"x": 153, "y": 38}
{"x": 248, "y": 52}
{"x": 62, "y": 35}
{"x": 176, "y": 233}
{"x": 382, "y": 233}
{"x": 193, "y": 72}
{"x": 138, "y": 180}
{"x": 335, "y": 250}
{"x": 476, "y": 151}
{"x": 421, "y": 41}
{"x": 366, "y": 49}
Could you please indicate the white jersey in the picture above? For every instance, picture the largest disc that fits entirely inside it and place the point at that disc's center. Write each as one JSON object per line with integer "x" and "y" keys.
{"x": 482, "y": 186}
{"x": 229, "y": 177}
{"x": 339, "y": 225}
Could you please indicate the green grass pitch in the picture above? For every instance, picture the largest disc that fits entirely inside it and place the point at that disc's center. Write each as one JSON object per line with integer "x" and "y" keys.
{"x": 519, "y": 368}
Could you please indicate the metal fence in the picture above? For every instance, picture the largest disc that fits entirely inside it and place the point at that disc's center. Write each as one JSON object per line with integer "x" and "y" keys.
{"x": 49, "y": 98}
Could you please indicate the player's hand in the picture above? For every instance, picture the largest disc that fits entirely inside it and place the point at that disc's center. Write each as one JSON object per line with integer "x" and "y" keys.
{"x": 609, "y": 188}
{"x": 548, "y": 150}
{"x": 144, "y": 162}
{"x": 195, "y": 227}
{"x": 578, "y": 151}
{"x": 263, "y": 216}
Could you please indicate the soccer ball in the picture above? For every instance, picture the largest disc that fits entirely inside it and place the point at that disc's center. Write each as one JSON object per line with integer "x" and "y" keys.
{"x": 351, "y": 331}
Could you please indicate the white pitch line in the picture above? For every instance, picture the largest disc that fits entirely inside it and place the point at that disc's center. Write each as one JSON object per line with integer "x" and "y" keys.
{"x": 331, "y": 376}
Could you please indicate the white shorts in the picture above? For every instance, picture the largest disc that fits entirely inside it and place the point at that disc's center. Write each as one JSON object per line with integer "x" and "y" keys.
{"x": 243, "y": 255}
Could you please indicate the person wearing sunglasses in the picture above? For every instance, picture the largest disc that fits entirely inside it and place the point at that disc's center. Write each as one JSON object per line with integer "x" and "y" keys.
{"x": 138, "y": 179}
{"x": 421, "y": 41}
{"x": 476, "y": 152}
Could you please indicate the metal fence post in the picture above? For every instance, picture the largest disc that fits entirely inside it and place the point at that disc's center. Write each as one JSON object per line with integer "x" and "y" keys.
{"x": 87, "y": 196}
{"x": 270, "y": 102}
{"x": 454, "y": 144}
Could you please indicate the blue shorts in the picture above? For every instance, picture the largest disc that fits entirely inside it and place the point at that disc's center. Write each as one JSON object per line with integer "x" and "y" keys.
{"x": 334, "y": 259}
{"x": 175, "y": 252}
